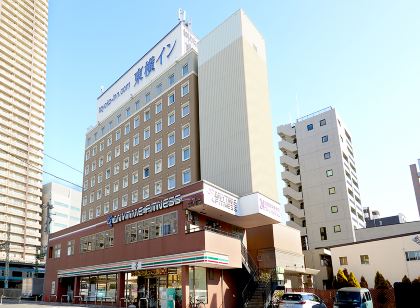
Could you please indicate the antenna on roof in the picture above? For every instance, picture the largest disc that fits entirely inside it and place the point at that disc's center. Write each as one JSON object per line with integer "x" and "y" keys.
{"x": 182, "y": 15}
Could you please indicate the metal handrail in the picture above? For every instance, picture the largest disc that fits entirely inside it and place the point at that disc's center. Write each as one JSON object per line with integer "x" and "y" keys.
{"x": 314, "y": 113}
{"x": 252, "y": 283}
{"x": 215, "y": 230}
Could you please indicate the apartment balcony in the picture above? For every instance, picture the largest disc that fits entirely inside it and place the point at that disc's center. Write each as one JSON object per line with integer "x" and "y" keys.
{"x": 286, "y": 130}
{"x": 291, "y": 177}
{"x": 287, "y": 146}
{"x": 290, "y": 192}
{"x": 296, "y": 226}
{"x": 289, "y": 161}
{"x": 295, "y": 211}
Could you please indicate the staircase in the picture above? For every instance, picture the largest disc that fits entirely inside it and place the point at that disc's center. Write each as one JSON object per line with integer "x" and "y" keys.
{"x": 258, "y": 298}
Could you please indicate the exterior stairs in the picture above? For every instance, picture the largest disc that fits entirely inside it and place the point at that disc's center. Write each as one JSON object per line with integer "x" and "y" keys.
{"x": 257, "y": 299}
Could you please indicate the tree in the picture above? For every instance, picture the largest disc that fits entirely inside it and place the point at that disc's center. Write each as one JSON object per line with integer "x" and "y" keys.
{"x": 380, "y": 282}
{"x": 342, "y": 280}
{"x": 406, "y": 280}
{"x": 363, "y": 283}
{"x": 353, "y": 281}
{"x": 346, "y": 273}
{"x": 416, "y": 282}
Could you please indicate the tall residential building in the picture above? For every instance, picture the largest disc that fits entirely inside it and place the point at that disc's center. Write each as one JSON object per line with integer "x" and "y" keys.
{"x": 179, "y": 189}
{"x": 23, "y": 53}
{"x": 61, "y": 209}
{"x": 322, "y": 190}
{"x": 415, "y": 176}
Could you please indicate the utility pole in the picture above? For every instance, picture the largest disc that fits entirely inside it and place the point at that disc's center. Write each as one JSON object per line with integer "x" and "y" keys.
{"x": 6, "y": 247}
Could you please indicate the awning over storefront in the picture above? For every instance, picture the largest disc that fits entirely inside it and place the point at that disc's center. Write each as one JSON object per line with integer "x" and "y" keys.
{"x": 249, "y": 211}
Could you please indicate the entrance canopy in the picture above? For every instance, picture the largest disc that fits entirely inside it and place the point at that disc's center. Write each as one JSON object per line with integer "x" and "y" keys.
{"x": 249, "y": 211}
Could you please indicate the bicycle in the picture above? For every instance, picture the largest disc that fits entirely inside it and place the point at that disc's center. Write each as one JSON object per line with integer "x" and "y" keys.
{"x": 197, "y": 303}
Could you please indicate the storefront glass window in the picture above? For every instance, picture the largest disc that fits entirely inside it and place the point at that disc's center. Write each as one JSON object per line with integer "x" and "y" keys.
{"x": 198, "y": 284}
{"x": 99, "y": 287}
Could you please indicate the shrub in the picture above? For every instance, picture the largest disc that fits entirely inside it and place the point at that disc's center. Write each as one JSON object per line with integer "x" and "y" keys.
{"x": 363, "y": 282}
{"x": 406, "y": 280}
{"x": 353, "y": 281}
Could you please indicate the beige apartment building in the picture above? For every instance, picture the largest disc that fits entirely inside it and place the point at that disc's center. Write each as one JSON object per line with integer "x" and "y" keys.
{"x": 321, "y": 185}
{"x": 23, "y": 53}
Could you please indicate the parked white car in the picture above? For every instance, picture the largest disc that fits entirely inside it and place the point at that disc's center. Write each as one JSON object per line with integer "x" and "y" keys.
{"x": 301, "y": 300}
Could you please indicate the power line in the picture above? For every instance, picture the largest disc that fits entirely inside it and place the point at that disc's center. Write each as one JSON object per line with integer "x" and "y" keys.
{"x": 63, "y": 163}
{"x": 40, "y": 170}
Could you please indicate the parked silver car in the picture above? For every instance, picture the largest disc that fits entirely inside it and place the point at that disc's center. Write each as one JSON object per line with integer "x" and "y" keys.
{"x": 301, "y": 300}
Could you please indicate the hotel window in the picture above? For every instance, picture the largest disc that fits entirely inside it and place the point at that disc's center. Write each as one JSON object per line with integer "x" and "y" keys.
{"x": 107, "y": 173}
{"x": 136, "y": 122}
{"x": 127, "y": 112}
{"x": 115, "y": 204}
{"x": 108, "y": 157}
{"x": 171, "y": 118}
{"x": 125, "y": 181}
{"x": 116, "y": 186}
{"x": 158, "y": 145}
{"x": 100, "y": 161}
{"x": 119, "y": 119}
{"x": 94, "y": 150}
{"x": 185, "y": 70}
{"x": 159, "y": 88}
{"x": 117, "y": 151}
{"x": 327, "y": 155}
{"x": 146, "y": 115}
{"x": 337, "y": 228}
{"x": 84, "y": 201}
{"x": 322, "y": 122}
{"x": 323, "y": 233}
{"x": 98, "y": 211}
{"x": 116, "y": 168}
{"x": 146, "y": 133}
{"x": 185, "y": 89}
{"x": 109, "y": 141}
{"x": 171, "y": 138}
{"x": 135, "y": 177}
{"x": 135, "y": 158}
{"x": 136, "y": 140}
{"x": 186, "y": 176}
{"x": 107, "y": 189}
{"x": 158, "y": 166}
{"x": 146, "y": 172}
{"x": 185, "y": 110}
{"x": 83, "y": 216}
{"x": 91, "y": 197}
{"x": 158, "y": 187}
{"x": 99, "y": 194}
{"x": 329, "y": 172}
{"x": 134, "y": 196}
{"x": 171, "y": 182}
{"x": 124, "y": 201}
{"x": 70, "y": 248}
{"x": 137, "y": 103}
{"x": 87, "y": 169}
{"x": 87, "y": 155}
{"x": 171, "y": 160}
{"x": 186, "y": 131}
{"x": 158, "y": 125}
{"x": 343, "y": 261}
{"x": 85, "y": 185}
{"x": 109, "y": 125}
{"x": 148, "y": 97}
{"x": 334, "y": 209}
{"x": 146, "y": 152}
{"x": 158, "y": 107}
{"x": 94, "y": 165}
{"x": 57, "y": 251}
{"x": 100, "y": 178}
{"x": 101, "y": 146}
{"x": 145, "y": 192}
{"x": 106, "y": 207}
{"x": 364, "y": 259}
{"x": 126, "y": 145}
{"x": 90, "y": 213}
{"x": 171, "y": 79}
{"x": 309, "y": 127}
{"x": 126, "y": 162}
{"x": 324, "y": 138}
{"x": 331, "y": 190}
{"x": 171, "y": 98}
{"x": 117, "y": 135}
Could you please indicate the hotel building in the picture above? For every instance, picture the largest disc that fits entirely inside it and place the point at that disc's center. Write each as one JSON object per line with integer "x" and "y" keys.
{"x": 321, "y": 186}
{"x": 179, "y": 186}
{"x": 23, "y": 53}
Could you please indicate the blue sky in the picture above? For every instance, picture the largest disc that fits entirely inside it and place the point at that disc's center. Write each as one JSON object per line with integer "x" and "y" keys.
{"x": 362, "y": 57}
